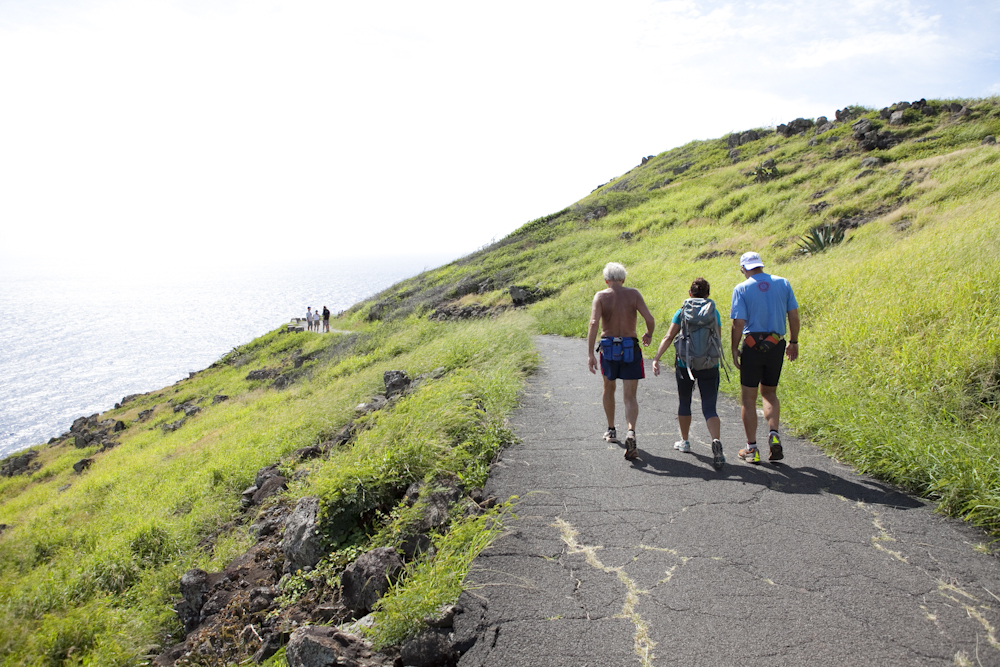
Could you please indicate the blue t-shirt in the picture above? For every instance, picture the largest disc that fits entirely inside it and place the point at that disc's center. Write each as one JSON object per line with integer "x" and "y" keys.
{"x": 763, "y": 302}
{"x": 676, "y": 319}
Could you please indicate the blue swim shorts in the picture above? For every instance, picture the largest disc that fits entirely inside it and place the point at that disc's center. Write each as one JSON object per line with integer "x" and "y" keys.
{"x": 624, "y": 370}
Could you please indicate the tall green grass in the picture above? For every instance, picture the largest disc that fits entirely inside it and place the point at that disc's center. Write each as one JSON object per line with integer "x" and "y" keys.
{"x": 87, "y": 574}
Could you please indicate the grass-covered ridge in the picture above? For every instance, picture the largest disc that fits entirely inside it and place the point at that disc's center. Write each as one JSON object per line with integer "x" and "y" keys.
{"x": 90, "y": 562}
{"x": 899, "y": 374}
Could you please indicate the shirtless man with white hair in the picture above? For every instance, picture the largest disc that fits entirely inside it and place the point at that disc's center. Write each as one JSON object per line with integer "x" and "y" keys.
{"x": 615, "y": 311}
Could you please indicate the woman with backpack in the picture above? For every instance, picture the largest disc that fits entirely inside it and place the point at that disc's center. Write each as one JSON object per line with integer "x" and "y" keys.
{"x": 696, "y": 331}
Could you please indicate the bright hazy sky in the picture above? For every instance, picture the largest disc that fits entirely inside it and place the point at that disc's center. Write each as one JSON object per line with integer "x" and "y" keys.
{"x": 168, "y": 131}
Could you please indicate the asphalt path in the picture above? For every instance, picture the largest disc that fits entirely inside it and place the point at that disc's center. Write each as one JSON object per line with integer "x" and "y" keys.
{"x": 666, "y": 561}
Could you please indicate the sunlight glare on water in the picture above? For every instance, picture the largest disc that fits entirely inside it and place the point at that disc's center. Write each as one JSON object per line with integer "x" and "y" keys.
{"x": 74, "y": 345}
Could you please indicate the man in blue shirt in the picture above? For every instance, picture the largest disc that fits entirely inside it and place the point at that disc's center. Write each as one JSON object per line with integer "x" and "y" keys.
{"x": 761, "y": 304}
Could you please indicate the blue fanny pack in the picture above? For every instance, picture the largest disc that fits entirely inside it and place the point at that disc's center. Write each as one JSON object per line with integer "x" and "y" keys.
{"x": 618, "y": 349}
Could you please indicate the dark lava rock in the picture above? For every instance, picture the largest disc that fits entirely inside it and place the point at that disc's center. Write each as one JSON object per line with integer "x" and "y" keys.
{"x": 173, "y": 426}
{"x": 265, "y": 473}
{"x": 396, "y": 382}
{"x": 306, "y": 453}
{"x": 271, "y": 487}
{"x": 368, "y": 578}
{"x": 82, "y": 465}
{"x": 302, "y": 541}
{"x": 195, "y": 584}
{"x": 429, "y": 649}
{"x": 17, "y": 465}
{"x": 324, "y": 646}
{"x": 263, "y": 374}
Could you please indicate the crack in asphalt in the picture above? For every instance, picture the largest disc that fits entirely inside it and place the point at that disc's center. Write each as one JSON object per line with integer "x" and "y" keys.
{"x": 643, "y": 644}
{"x": 972, "y": 606}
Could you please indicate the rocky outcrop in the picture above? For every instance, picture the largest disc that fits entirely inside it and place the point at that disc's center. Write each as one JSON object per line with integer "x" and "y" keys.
{"x": 846, "y": 114}
{"x": 368, "y": 578}
{"x": 188, "y": 408}
{"x": 323, "y": 646}
{"x": 302, "y": 543}
{"x": 173, "y": 426}
{"x": 128, "y": 399}
{"x": 797, "y": 126}
{"x": 522, "y": 295}
{"x": 263, "y": 374}
{"x": 869, "y": 137}
{"x": 90, "y": 431}
{"x": 229, "y": 613}
{"x": 396, "y": 382}
{"x": 455, "y": 312}
{"x": 429, "y": 649}
{"x": 269, "y": 482}
{"x": 19, "y": 464}
{"x": 740, "y": 139}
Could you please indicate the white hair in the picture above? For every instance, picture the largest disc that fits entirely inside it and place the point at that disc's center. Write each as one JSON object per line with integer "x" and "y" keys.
{"x": 614, "y": 272}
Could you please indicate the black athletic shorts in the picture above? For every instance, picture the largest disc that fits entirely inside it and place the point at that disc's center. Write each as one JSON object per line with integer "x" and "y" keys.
{"x": 761, "y": 368}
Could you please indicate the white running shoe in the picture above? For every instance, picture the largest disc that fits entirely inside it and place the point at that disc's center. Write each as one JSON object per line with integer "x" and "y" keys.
{"x": 682, "y": 446}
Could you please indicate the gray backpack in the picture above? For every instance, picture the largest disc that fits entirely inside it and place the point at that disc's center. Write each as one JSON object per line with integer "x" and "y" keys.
{"x": 698, "y": 344}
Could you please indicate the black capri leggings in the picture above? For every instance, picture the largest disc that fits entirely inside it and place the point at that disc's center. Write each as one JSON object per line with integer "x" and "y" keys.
{"x": 708, "y": 387}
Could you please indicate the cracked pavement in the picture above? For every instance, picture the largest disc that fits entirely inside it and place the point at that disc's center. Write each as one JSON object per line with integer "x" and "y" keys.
{"x": 666, "y": 561}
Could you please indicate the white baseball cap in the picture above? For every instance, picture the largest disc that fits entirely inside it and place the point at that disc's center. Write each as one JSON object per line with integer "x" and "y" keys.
{"x": 751, "y": 260}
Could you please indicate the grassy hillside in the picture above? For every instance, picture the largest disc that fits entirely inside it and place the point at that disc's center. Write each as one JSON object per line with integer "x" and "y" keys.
{"x": 899, "y": 374}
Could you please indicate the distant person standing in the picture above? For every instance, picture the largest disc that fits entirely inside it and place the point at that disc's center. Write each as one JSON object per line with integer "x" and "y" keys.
{"x": 699, "y": 351}
{"x": 309, "y": 318}
{"x": 326, "y": 320}
{"x": 614, "y": 312}
{"x": 761, "y": 305}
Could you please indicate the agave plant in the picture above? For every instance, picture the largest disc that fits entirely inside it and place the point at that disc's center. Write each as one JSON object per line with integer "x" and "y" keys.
{"x": 820, "y": 239}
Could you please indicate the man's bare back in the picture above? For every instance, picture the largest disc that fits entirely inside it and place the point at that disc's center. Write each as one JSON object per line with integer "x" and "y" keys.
{"x": 615, "y": 310}
{"x": 618, "y": 309}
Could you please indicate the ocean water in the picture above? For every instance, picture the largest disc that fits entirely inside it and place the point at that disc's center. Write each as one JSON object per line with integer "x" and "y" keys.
{"x": 75, "y": 344}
